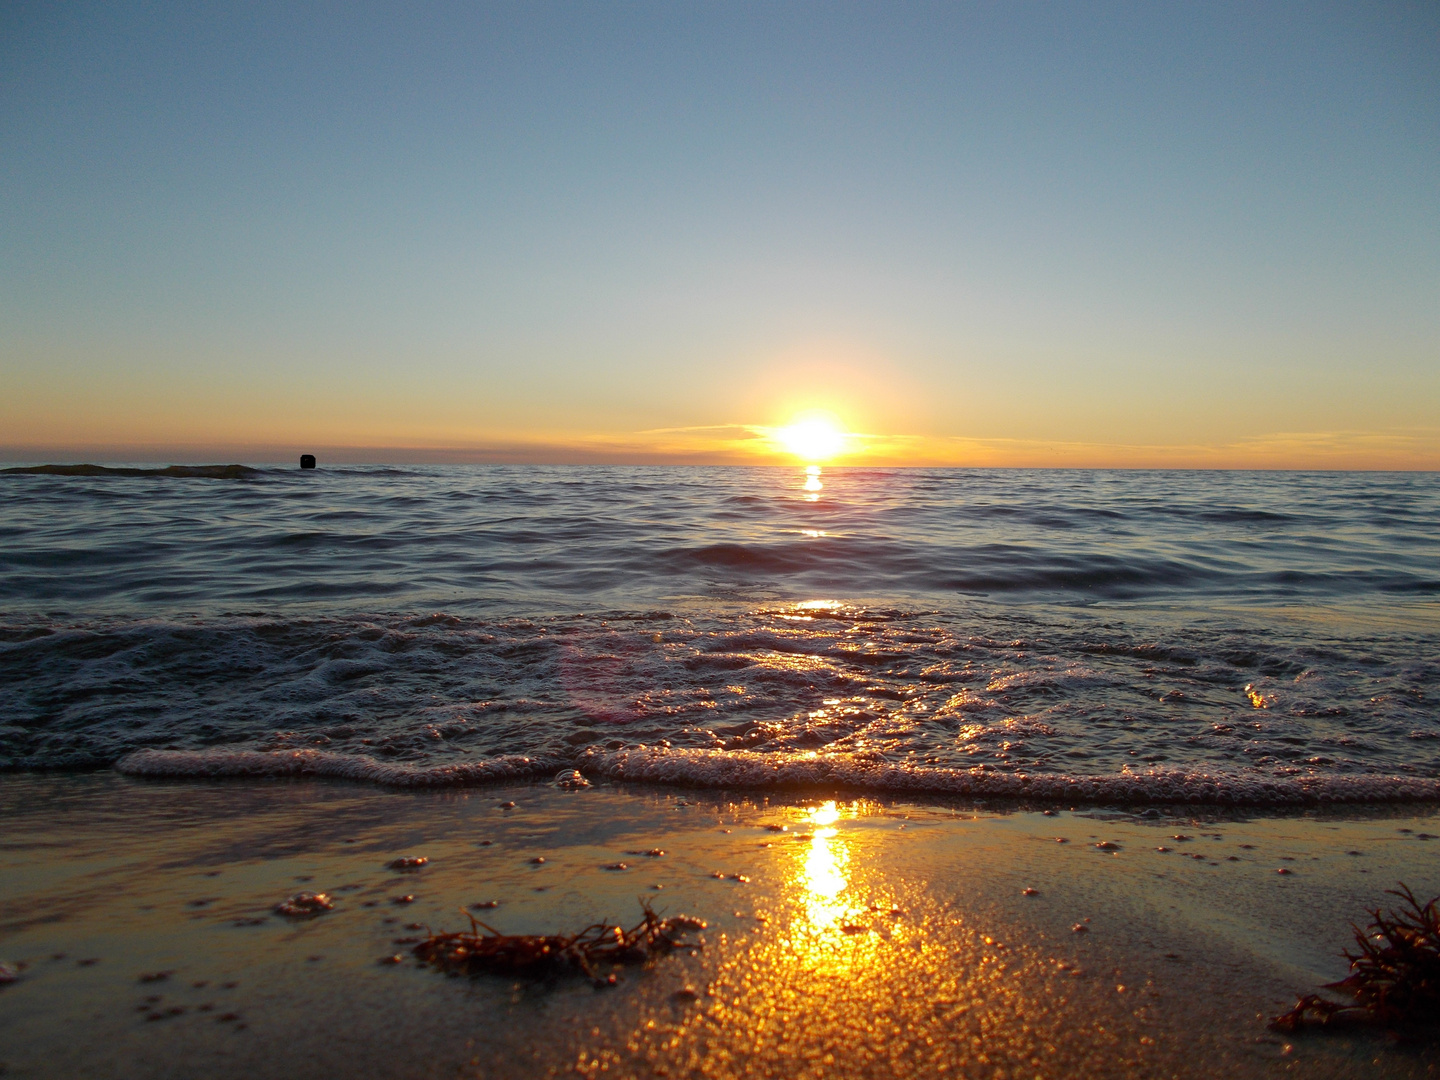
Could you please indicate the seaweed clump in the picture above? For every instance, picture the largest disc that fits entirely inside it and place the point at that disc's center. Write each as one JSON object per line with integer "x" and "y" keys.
{"x": 1394, "y": 979}
{"x": 589, "y": 952}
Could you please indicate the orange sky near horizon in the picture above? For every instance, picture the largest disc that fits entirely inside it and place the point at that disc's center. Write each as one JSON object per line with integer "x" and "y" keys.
{"x": 888, "y": 418}
{"x": 755, "y": 445}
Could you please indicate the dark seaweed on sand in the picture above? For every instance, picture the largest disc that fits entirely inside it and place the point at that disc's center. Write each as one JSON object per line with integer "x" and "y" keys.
{"x": 592, "y": 949}
{"x": 1394, "y": 979}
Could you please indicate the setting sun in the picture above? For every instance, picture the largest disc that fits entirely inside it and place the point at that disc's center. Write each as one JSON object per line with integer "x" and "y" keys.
{"x": 813, "y": 439}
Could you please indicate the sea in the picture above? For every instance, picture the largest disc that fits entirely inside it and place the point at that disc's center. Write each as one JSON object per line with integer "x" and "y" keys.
{"x": 1125, "y": 637}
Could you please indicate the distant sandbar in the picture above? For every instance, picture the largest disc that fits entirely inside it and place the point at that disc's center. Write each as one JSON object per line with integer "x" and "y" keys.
{"x": 211, "y": 472}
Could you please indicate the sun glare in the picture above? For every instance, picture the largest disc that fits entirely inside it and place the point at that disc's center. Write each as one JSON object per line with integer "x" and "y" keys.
{"x": 812, "y": 439}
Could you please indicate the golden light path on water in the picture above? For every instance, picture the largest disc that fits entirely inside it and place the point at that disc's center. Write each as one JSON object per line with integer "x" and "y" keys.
{"x": 812, "y": 484}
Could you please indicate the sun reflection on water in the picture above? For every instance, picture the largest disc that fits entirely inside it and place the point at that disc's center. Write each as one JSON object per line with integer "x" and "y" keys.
{"x": 812, "y": 484}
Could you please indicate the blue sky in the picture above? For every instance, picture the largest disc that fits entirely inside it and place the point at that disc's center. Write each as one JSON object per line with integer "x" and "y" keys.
{"x": 999, "y": 233}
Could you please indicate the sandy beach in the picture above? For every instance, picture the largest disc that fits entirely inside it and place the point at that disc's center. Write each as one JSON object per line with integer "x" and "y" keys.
{"x": 845, "y": 937}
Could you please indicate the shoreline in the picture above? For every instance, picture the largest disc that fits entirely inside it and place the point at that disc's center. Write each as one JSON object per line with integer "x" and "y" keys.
{"x": 807, "y": 772}
{"x": 803, "y": 957}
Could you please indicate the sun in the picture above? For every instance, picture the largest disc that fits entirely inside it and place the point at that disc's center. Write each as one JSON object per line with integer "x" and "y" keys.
{"x": 812, "y": 439}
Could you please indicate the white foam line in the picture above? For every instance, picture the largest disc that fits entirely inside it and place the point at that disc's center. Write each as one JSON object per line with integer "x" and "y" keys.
{"x": 318, "y": 763}
{"x": 747, "y": 769}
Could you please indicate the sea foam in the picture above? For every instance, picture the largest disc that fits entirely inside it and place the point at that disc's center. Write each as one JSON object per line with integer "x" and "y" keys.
{"x": 319, "y": 764}
{"x": 730, "y": 769}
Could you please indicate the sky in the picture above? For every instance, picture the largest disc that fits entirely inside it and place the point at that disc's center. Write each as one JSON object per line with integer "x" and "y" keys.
{"x": 1071, "y": 234}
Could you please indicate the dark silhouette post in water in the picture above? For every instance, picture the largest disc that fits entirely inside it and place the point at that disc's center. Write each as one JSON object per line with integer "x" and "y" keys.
{"x": 307, "y": 461}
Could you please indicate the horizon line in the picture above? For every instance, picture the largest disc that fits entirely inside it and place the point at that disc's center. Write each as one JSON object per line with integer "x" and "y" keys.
{"x": 1021, "y": 455}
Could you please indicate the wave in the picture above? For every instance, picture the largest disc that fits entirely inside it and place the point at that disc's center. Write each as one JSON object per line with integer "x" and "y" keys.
{"x": 782, "y": 558}
{"x": 739, "y": 769}
{"x": 773, "y": 771}
{"x": 321, "y": 764}
{"x": 997, "y": 568}
{"x": 958, "y": 697}
{"x": 546, "y": 540}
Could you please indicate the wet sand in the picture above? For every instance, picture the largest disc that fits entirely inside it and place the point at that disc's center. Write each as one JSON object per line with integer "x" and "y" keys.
{"x": 868, "y": 939}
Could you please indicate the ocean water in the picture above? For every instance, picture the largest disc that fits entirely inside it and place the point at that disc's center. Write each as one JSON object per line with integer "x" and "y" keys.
{"x": 1127, "y": 637}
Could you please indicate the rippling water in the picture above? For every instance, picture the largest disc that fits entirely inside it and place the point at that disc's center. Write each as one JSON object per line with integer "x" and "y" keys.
{"x": 1124, "y": 636}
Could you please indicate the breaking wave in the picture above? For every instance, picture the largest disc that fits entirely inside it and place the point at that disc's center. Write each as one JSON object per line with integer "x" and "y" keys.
{"x": 211, "y": 764}
{"x": 717, "y": 769}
